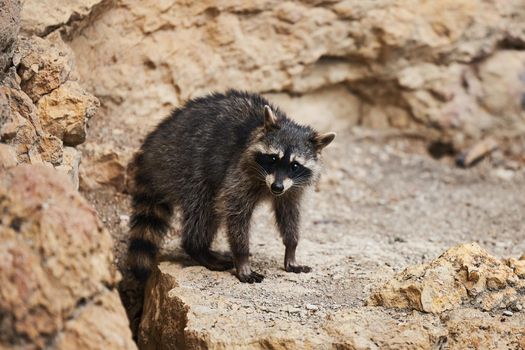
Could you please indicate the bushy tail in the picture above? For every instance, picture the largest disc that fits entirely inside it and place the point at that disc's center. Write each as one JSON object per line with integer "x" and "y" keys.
{"x": 148, "y": 225}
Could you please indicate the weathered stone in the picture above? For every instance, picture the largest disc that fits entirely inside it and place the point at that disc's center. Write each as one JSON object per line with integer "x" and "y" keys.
{"x": 7, "y": 156}
{"x": 18, "y": 123}
{"x": 56, "y": 15}
{"x": 461, "y": 273}
{"x": 477, "y": 152}
{"x": 418, "y": 64}
{"x": 50, "y": 149}
{"x": 103, "y": 166}
{"x": 502, "y": 90}
{"x": 517, "y": 265}
{"x": 65, "y": 111}
{"x": 45, "y": 64}
{"x": 9, "y": 27}
{"x": 57, "y": 273}
{"x": 70, "y": 164}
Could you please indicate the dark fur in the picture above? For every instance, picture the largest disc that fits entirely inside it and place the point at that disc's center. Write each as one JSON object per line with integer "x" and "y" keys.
{"x": 203, "y": 160}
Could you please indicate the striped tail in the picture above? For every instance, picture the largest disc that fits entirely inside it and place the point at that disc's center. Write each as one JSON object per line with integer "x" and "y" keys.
{"x": 148, "y": 225}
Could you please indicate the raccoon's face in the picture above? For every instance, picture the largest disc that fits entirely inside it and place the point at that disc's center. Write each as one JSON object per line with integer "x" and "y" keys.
{"x": 287, "y": 154}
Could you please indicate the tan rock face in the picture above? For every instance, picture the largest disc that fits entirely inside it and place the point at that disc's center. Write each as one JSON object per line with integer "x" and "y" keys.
{"x": 57, "y": 273}
{"x": 42, "y": 107}
{"x": 7, "y": 156}
{"x": 435, "y": 65}
{"x": 68, "y": 12}
{"x": 65, "y": 111}
{"x": 463, "y": 274}
{"x": 104, "y": 165}
{"x": 45, "y": 64}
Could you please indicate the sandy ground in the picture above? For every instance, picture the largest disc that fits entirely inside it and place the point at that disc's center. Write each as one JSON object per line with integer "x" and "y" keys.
{"x": 380, "y": 205}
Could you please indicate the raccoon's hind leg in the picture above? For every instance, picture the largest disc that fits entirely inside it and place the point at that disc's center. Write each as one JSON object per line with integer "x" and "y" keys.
{"x": 199, "y": 227}
{"x": 148, "y": 225}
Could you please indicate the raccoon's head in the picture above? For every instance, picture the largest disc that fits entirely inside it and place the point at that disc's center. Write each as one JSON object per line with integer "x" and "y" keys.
{"x": 286, "y": 154}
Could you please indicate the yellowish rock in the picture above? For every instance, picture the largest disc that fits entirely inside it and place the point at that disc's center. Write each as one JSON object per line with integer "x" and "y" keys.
{"x": 465, "y": 272}
{"x": 65, "y": 111}
{"x": 7, "y": 156}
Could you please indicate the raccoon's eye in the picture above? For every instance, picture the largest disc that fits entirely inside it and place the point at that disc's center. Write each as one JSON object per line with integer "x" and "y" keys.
{"x": 295, "y": 166}
{"x": 273, "y": 158}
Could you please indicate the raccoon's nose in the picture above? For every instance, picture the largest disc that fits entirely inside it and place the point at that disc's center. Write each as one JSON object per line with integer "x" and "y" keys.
{"x": 277, "y": 188}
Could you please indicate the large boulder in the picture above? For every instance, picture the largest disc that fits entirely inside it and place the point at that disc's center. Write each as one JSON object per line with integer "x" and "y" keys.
{"x": 57, "y": 280}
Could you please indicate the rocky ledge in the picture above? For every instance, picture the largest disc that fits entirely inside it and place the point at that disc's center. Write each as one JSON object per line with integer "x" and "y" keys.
{"x": 468, "y": 299}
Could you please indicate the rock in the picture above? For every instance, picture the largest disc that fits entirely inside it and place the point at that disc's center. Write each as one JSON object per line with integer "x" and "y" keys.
{"x": 369, "y": 329}
{"x": 474, "y": 329}
{"x": 50, "y": 149}
{"x": 9, "y": 27}
{"x": 57, "y": 14}
{"x": 502, "y": 90}
{"x": 175, "y": 317}
{"x": 70, "y": 165}
{"x": 65, "y": 111}
{"x": 333, "y": 108}
{"x": 45, "y": 64}
{"x": 102, "y": 165}
{"x": 517, "y": 265}
{"x": 18, "y": 122}
{"x": 477, "y": 152}
{"x": 419, "y": 64}
{"x": 461, "y": 274}
{"x": 7, "y": 156}
{"x": 37, "y": 134}
{"x": 58, "y": 280}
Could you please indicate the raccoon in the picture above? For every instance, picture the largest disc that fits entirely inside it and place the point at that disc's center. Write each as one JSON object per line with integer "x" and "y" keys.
{"x": 214, "y": 160}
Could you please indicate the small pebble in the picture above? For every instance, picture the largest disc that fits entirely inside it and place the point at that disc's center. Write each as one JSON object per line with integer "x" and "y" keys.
{"x": 311, "y": 307}
{"x": 507, "y": 313}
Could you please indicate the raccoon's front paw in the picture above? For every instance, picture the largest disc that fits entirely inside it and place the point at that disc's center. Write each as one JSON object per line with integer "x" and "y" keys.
{"x": 298, "y": 268}
{"x": 252, "y": 277}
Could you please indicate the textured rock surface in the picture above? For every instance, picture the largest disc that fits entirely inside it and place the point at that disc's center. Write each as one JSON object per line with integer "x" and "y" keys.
{"x": 58, "y": 280}
{"x": 455, "y": 67}
{"x": 9, "y": 27}
{"x": 45, "y": 64}
{"x": 104, "y": 165}
{"x": 7, "y": 156}
{"x": 57, "y": 14}
{"x": 463, "y": 274}
{"x": 65, "y": 111}
{"x": 42, "y": 105}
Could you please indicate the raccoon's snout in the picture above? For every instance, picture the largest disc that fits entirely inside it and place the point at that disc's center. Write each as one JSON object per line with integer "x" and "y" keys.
{"x": 277, "y": 188}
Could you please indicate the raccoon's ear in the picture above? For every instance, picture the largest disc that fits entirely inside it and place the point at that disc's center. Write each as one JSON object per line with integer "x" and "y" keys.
{"x": 270, "y": 121}
{"x": 322, "y": 140}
